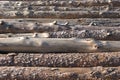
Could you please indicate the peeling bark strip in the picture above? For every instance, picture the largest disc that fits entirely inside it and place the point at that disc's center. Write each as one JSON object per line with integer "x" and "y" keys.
{"x": 25, "y": 44}
{"x": 35, "y": 73}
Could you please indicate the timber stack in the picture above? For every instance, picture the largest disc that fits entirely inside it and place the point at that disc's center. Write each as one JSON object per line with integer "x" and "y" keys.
{"x": 60, "y": 40}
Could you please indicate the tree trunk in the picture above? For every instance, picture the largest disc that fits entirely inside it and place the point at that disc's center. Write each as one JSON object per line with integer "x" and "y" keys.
{"x": 38, "y": 73}
{"x": 51, "y": 45}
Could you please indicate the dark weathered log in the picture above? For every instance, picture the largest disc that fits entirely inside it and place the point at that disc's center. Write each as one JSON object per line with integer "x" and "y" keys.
{"x": 6, "y": 60}
{"x": 29, "y": 7}
{"x": 75, "y": 3}
{"x": 35, "y": 73}
{"x": 60, "y": 9}
{"x": 61, "y": 15}
{"x": 25, "y": 44}
{"x": 108, "y": 59}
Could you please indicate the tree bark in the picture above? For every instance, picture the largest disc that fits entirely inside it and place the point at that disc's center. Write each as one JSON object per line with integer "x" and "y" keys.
{"x": 60, "y": 15}
{"x": 36, "y": 73}
{"x": 26, "y": 27}
{"x": 112, "y": 35}
{"x": 75, "y": 3}
{"x": 105, "y": 59}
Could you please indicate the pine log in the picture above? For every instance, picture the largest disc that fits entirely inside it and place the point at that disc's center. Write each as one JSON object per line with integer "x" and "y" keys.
{"x": 101, "y": 22}
{"x": 37, "y": 73}
{"x": 33, "y": 35}
{"x": 95, "y": 34}
{"x": 112, "y": 35}
{"x": 75, "y": 3}
{"x": 19, "y": 9}
{"x": 60, "y": 15}
{"x": 52, "y": 45}
{"x": 60, "y": 8}
{"x": 25, "y": 27}
{"x": 105, "y": 59}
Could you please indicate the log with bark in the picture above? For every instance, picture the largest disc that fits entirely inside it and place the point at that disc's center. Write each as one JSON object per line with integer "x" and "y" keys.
{"x": 26, "y": 9}
{"x": 45, "y": 73}
{"x": 95, "y": 34}
{"x": 76, "y": 3}
{"x": 60, "y": 9}
{"x": 108, "y": 59}
{"x": 24, "y": 26}
{"x": 113, "y": 35}
{"x": 60, "y": 14}
{"x": 26, "y": 44}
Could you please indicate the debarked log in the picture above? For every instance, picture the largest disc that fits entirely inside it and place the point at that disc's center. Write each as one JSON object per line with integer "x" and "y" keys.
{"x": 45, "y": 73}
{"x": 51, "y": 45}
{"x": 25, "y": 27}
{"x": 33, "y": 35}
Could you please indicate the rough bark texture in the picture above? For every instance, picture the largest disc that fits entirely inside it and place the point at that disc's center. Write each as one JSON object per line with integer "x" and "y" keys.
{"x": 63, "y": 30}
{"x": 75, "y": 3}
{"x": 108, "y": 59}
{"x": 58, "y": 14}
{"x": 22, "y": 23}
{"x": 95, "y": 34}
{"x": 52, "y": 9}
{"x": 35, "y": 73}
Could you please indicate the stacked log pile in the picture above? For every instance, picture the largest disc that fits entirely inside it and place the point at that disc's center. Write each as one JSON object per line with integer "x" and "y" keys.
{"x": 60, "y": 40}
{"x": 62, "y": 9}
